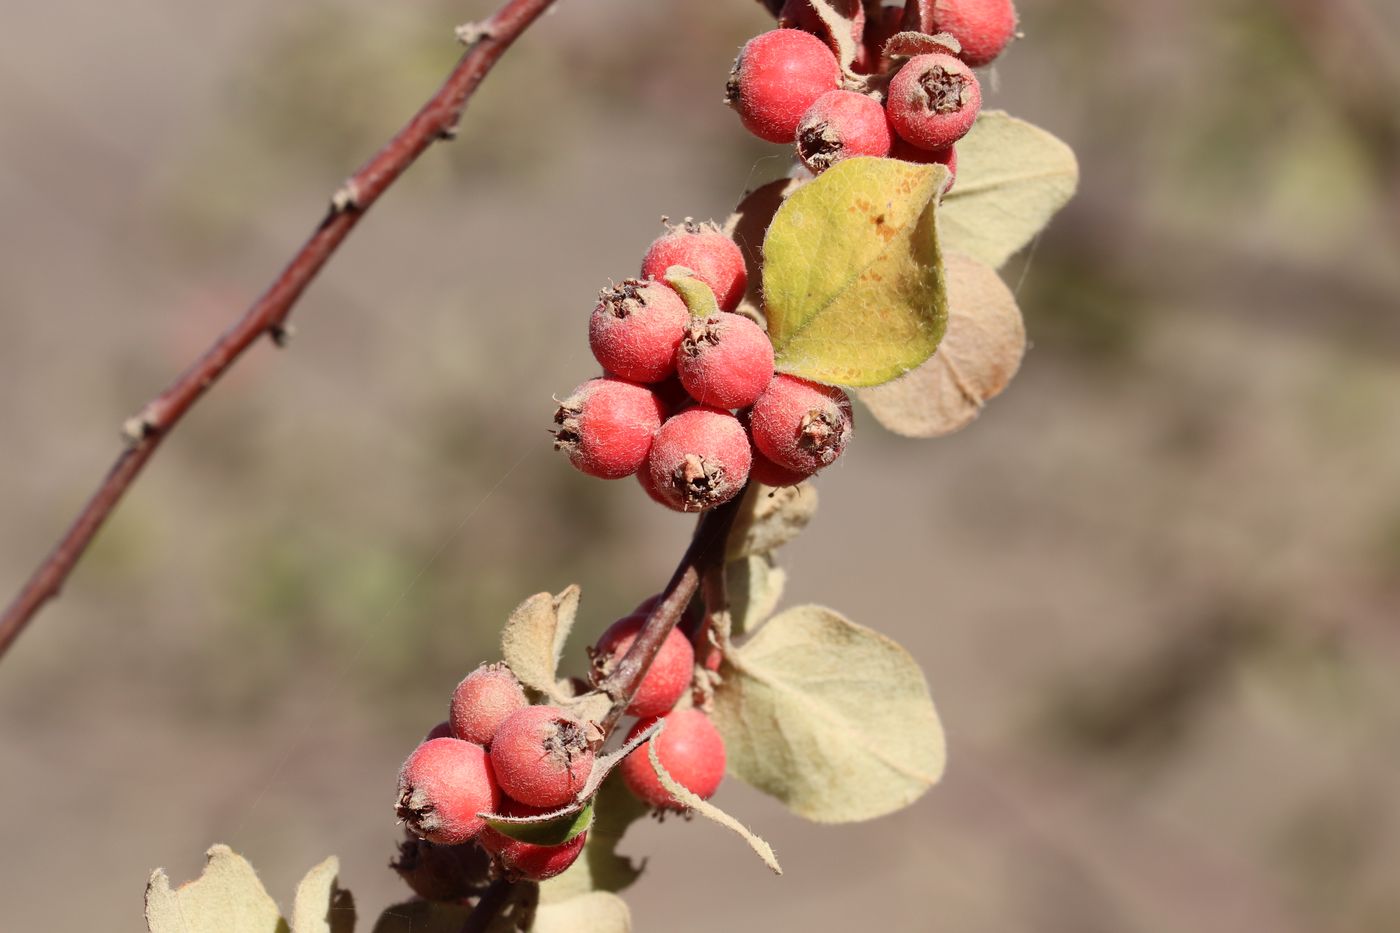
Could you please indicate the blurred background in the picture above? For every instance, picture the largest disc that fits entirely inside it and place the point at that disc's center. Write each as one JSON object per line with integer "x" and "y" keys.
{"x": 1154, "y": 588}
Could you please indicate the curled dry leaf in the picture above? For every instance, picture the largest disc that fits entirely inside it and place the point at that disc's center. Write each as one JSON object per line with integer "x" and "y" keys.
{"x": 747, "y": 226}
{"x": 909, "y": 44}
{"x": 769, "y": 518}
{"x": 838, "y": 18}
{"x": 534, "y": 636}
{"x": 979, "y": 355}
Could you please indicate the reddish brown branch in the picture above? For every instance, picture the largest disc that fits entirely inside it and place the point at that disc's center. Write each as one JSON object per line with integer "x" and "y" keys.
{"x": 436, "y": 120}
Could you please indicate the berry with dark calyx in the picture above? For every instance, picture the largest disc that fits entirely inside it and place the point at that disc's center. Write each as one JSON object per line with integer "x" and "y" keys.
{"x": 635, "y": 329}
{"x": 526, "y": 860}
{"x": 799, "y": 425}
{"x": 947, "y": 157}
{"x": 725, "y": 360}
{"x": 483, "y": 700}
{"x": 669, "y": 675}
{"x": 541, "y": 756}
{"x": 700, "y": 459}
{"x": 933, "y": 100}
{"x": 606, "y": 426}
{"x": 982, "y": 27}
{"x": 714, "y": 258}
{"x": 839, "y": 125}
{"x": 443, "y": 785}
{"x": 691, "y": 750}
{"x": 442, "y": 873}
{"x": 777, "y": 76}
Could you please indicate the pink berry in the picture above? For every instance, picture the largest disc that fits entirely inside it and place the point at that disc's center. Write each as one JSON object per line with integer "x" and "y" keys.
{"x": 442, "y": 730}
{"x": 703, "y": 249}
{"x": 982, "y": 27}
{"x": 933, "y": 100}
{"x": 725, "y": 360}
{"x": 947, "y": 157}
{"x": 691, "y": 750}
{"x": 606, "y": 427}
{"x": 700, "y": 459}
{"x": 525, "y": 859}
{"x": 483, "y": 700}
{"x": 776, "y": 77}
{"x": 768, "y": 473}
{"x": 541, "y": 756}
{"x": 842, "y": 124}
{"x": 635, "y": 329}
{"x": 443, "y": 785}
{"x": 649, "y": 487}
{"x": 669, "y": 675}
{"x": 800, "y": 425}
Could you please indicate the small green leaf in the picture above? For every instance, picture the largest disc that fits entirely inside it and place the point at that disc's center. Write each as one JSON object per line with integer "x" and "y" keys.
{"x": 1012, "y": 178}
{"x": 554, "y": 832}
{"x": 831, "y": 718}
{"x": 599, "y": 867}
{"x": 981, "y": 352}
{"x": 769, "y": 518}
{"x": 698, "y": 297}
{"x": 708, "y": 810}
{"x": 594, "y": 912}
{"x": 226, "y": 898}
{"x": 534, "y": 636}
{"x": 853, "y": 282}
{"x": 321, "y": 905}
{"x": 754, "y": 586}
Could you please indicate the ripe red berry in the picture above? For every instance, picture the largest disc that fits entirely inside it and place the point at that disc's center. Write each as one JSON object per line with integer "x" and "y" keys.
{"x": 703, "y": 249}
{"x": 483, "y": 700}
{"x": 725, "y": 360}
{"x": 839, "y": 125}
{"x": 768, "y": 473}
{"x": 635, "y": 329}
{"x": 541, "y": 756}
{"x": 947, "y": 157}
{"x": 443, "y": 785}
{"x": 982, "y": 27}
{"x": 689, "y": 748}
{"x": 700, "y": 459}
{"x": 525, "y": 859}
{"x": 669, "y": 675}
{"x": 607, "y": 425}
{"x": 776, "y": 77}
{"x": 800, "y": 425}
{"x": 933, "y": 100}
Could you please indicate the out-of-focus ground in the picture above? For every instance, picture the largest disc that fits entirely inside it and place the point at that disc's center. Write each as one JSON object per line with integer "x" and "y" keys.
{"x": 1155, "y": 587}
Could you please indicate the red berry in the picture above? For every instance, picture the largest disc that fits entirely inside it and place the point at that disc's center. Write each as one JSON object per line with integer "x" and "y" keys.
{"x": 649, "y": 487}
{"x": 443, "y": 785}
{"x": 725, "y": 360}
{"x": 635, "y": 329}
{"x": 776, "y": 77}
{"x": 669, "y": 675}
{"x": 700, "y": 459}
{"x": 982, "y": 27}
{"x": 541, "y": 756}
{"x": 800, "y": 425}
{"x": 442, "y": 730}
{"x": 525, "y": 859}
{"x": 842, "y": 124}
{"x": 933, "y": 100}
{"x": 483, "y": 700}
{"x": 703, "y": 249}
{"x": 768, "y": 473}
{"x": 689, "y": 748}
{"x": 607, "y": 426}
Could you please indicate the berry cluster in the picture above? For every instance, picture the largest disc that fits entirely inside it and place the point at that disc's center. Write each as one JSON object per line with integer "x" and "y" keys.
{"x": 496, "y": 753}
{"x": 910, "y": 101}
{"x": 689, "y": 401}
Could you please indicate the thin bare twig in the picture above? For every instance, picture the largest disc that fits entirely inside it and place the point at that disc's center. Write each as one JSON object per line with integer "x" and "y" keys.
{"x": 437, "y": 119}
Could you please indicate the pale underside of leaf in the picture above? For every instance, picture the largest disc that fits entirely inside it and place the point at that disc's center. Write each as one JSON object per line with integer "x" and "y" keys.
{"x": 978, "y": 357}
{"x": 1012, "y": 178}
{"x": 227, "y": 897}
{"x": 594, "y": 912}
{"x": 830, "y": 717}
{"x": 769, "y": 518}
{"x": 754, "y": 586}
{"x": 837, "y": 17}
{"x": 534, "y": 636}
{"x": 711, "y": 812}
{"x": 853, "y": 283}
{"x": 321, "y": 905}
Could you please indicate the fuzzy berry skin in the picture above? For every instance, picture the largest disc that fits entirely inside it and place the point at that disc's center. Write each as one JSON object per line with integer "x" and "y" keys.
{"x": 947, "y": 157}
{"x": 982, "y": 27}
{"x": 483, "y": 700}
{"x": 525, "y": 860}
{"x": 700, "y": 459}
{"x": 443, "y": 785}
{"x": 725, "y": 360}
{"x": 839, "y": 125}
{"x": 541, "y": 756}
{"x": 635, "y": 329}
{"x": 777, "y": 76}
{"x": 607, "y": 425}
{"x": 933, "y": 100}
{"x": 768, "y": 473}
{"x": 703, "y": 249}
{"x": 689, "y": 748}
{"x": 801, "y": 426}
{"x": 669, "y": 675}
